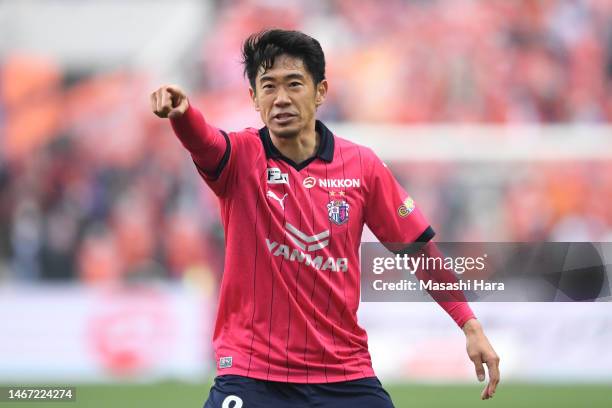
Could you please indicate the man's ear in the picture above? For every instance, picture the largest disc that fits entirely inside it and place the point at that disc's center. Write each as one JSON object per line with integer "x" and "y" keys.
{"x": 321, "y": 92}
{"x": 254, "y": 98}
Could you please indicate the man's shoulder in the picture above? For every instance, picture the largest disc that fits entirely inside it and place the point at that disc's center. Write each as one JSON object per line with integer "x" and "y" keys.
{"x": 248, "y": 134}
{"x": 365, "y": 153}
{"x": 245, "y": 139}
{"x": 243, "y": 146}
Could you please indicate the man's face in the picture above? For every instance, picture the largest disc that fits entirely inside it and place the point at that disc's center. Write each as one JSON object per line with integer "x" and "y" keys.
{"x": 286, "y": 96}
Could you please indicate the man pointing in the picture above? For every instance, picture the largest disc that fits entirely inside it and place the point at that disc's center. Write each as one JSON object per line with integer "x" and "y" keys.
{"x": 286, "y": 333}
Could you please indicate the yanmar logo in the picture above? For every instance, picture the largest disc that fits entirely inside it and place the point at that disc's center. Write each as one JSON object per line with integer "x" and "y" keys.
{"x": 309, "y": 182}
{"x": 306, "y": 244}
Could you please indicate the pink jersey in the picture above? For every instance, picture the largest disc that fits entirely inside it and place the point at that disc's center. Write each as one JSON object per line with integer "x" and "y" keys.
{"x": 290, "y": 290}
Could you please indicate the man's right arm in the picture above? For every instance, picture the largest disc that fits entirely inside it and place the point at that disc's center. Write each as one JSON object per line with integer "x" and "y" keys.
{"x": 207, "y": 144}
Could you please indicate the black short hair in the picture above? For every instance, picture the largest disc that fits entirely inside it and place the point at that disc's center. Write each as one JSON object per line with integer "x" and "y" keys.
{"x": 262, "y": 48}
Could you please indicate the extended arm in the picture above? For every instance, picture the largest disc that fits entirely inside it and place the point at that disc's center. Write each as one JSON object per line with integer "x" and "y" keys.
{"x": 206, "y": 143}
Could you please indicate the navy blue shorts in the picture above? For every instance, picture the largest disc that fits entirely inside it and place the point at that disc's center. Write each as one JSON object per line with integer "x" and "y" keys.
{"x": 234, "y": 391}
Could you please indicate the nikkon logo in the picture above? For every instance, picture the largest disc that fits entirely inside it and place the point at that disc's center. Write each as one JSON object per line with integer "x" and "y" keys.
{"x": 310, "y": 182}
{"x": 339, "y": 183}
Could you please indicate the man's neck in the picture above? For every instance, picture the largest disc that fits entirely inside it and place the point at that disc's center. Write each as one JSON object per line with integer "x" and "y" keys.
{"x": 299, "y": 148}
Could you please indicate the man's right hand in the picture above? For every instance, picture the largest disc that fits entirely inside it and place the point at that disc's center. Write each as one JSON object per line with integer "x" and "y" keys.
{"x": 169, "y": 101}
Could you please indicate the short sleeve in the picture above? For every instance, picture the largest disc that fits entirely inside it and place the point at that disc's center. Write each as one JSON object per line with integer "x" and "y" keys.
{"x": 390, "y": 212}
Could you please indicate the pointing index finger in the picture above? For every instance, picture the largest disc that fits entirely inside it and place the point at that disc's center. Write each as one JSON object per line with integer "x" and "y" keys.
{"x": 166, "y": 99}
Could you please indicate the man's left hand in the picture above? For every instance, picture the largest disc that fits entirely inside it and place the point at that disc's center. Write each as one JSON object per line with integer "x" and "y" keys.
{"x": 481, "y": 352}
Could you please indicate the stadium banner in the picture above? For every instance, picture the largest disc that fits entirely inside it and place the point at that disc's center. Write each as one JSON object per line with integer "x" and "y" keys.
{"x": 486, "y": 272}
{"x": 72, "y": 333}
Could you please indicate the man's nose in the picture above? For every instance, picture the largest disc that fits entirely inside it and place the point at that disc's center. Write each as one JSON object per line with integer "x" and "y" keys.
{"x": 282, "y": 98}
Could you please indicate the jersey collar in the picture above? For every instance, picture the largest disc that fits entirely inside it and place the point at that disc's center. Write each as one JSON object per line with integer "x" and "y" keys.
{"x": 325, "y": 151}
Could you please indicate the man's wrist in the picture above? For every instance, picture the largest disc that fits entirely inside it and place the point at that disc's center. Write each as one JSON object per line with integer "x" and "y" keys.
{"x": 472, "y": 326}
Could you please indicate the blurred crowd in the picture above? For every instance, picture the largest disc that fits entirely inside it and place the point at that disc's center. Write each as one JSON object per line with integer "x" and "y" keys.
{"x": 424, "y": 61}
{"x": 94, "y": 187}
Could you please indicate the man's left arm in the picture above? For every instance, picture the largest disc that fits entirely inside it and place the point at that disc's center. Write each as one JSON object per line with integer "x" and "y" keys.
{"x": 395, "y": 219}
{"x": 479, "y": 349}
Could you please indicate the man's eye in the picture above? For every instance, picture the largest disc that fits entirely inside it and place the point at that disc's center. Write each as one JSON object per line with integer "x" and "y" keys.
{"x": 295, "y": 84}
{"x": 268, "y": 86}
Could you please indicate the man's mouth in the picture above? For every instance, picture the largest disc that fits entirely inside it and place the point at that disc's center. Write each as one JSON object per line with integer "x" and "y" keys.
{"x": 282, "y": 118}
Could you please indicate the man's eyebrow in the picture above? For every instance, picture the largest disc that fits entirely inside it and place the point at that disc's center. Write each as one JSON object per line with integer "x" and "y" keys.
{"x": 295, "y": 75}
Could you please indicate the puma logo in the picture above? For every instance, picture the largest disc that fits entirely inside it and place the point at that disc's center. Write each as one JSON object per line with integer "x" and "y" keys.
{"x": 280, "y": 200}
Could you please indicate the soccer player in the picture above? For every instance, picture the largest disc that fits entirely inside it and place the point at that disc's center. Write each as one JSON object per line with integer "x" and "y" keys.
{"x": 294, "y": 198}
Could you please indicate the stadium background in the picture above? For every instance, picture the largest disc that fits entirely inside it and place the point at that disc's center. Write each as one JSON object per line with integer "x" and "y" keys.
{"x": 495, "y": 115}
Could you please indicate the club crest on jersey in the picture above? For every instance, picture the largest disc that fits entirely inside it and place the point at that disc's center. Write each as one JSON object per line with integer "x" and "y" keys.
{"x": 276, "y": 177}
{"x": 338, "y": 208}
